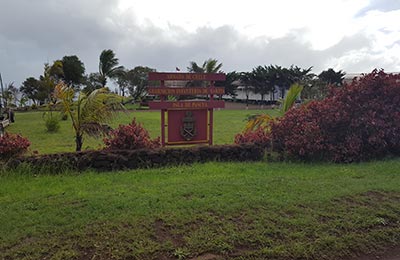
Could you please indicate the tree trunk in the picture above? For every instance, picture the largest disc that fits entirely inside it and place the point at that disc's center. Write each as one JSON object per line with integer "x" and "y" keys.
{"x": 262, "y": 101}
{"x": 79, "y": 142}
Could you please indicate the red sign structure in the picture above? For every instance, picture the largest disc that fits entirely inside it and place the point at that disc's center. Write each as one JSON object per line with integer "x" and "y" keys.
{"x": 186, "y": 122}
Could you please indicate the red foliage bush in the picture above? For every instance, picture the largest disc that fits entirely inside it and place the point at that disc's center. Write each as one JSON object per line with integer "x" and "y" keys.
{"x": 359, "y": 121}
{"x": 130, "y": 137}
{"x": 259, "y": 136}
{"x": 12, "y": 145}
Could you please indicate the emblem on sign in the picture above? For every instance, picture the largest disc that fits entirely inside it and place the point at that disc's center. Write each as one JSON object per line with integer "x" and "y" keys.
{"x": 188, "y": 129}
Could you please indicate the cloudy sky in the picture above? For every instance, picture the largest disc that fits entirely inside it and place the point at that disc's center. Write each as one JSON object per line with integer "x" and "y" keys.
{"x": 351, "y": 35}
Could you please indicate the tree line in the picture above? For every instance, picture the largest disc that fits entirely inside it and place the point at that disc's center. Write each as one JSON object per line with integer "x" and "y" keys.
{"x": 272, "y": 80}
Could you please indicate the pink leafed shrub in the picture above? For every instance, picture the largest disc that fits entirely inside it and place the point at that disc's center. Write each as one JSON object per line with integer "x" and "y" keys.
{"x": 359, "y": 121}
{"x": 12, "y": 145}
{"x": 259, "y": 136}
{"x": 130, "y": 137}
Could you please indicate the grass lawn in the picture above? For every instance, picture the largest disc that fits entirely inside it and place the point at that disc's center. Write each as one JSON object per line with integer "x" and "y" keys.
{"x": 212, "y": 211}
{"x": 227, "y": 123}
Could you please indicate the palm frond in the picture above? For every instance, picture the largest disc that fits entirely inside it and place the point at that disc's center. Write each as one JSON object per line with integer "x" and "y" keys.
{"x": 256, "y": 121}
{"x": 99, "y": 106}
{"x": 292, "y": 94}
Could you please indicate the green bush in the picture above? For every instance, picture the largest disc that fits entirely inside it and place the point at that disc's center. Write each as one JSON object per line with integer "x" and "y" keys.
{"x": 52, "y": 123}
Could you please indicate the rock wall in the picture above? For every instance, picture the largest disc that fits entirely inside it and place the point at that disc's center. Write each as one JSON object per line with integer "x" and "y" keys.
{"x": 109, "y": 160}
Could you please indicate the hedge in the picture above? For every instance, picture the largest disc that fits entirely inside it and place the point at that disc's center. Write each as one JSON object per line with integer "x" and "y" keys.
{"x": 110, "y": 160}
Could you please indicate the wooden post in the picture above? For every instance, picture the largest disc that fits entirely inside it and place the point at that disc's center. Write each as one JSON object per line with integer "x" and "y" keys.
{"x": 162, "y": 99}
{"x": 211, "y": 119}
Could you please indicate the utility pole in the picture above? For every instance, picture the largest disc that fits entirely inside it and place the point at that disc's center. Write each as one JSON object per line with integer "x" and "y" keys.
{"x": 2, "y": 96}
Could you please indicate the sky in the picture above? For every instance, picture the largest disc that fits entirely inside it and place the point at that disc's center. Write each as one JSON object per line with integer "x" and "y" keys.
{"x": 350, "y": 35}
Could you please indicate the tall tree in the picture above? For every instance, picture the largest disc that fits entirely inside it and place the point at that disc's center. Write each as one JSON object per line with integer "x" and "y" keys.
{"x": 246, "y": 83}
{"x": 92, "y": 82}
{"x": 137, "y": 81}
{"x": 29, "y": 88}
{"x": 332, "y": 77}
{"x": 52, "y": 75}
{"x": 74, "y": 70}
{"x": 55, "y": 72}
{"x": 108, "y": 66}
{"x": 262, "y": 80}
{"x": 230, "y": 84}
{"x": 90, "y": 112}
{"x": 10, "y": 95}
{"x": 285, "y": 77}
{"x": 122, "y": 82}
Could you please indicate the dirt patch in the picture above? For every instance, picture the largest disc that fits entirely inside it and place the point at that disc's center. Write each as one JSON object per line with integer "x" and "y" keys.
{"x": 389, "y": 254}
{"x": 163, "y": 233}
{"x": 207, "y": 256}
{"x": 241, "y": 250}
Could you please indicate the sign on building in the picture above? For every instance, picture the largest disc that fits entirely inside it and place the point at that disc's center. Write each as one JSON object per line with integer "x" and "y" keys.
{"x": 186, "y": 122}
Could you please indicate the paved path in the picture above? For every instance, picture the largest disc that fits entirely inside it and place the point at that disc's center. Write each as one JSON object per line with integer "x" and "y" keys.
{"x": 242, "y": 106}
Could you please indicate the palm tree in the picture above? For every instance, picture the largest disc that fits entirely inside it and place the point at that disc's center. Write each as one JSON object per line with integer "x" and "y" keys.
{"x": 209, "y": 66}
{"x": 263, "y": 81}
{"x": 230, "y": 84}
{"x": 332, "y": 77}
{"x": 90, "y": 112}
{"x": 108, "y": 66}
{"x": 246, "y": 82}
{"x": 10, "y": 94}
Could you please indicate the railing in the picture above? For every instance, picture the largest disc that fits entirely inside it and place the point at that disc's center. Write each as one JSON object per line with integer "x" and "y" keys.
{"x": 3, "y": 124}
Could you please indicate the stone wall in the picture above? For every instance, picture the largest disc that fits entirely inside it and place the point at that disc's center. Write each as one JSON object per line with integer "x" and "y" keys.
{"x": 109, "y": 160}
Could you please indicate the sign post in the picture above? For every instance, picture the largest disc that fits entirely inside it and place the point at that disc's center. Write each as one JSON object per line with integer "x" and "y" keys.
{"x": 190, "y": 121}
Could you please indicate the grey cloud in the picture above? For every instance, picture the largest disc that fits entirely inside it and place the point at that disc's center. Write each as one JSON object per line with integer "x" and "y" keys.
{"x": 236, "y": 51}
{"x": 35, "y": 32}
{"x": 31, "y": 34}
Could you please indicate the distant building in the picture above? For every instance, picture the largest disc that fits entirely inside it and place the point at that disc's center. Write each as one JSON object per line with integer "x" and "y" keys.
{"x": 348, "y": 78}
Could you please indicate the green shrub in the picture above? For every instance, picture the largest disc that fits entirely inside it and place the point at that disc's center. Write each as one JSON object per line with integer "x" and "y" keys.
{"x": 52, "y": 123}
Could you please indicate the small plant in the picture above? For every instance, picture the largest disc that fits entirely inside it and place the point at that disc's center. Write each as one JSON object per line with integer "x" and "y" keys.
{"x": 12, "y": 145}
{"x": 52, "y": 123}
{"x": 130, "y": 137}
{"x": 181, "y": 253}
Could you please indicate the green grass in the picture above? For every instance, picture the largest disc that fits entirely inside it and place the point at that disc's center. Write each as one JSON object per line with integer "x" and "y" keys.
{"x": 31, "y": 125}
{"x": 226, "y": 210}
